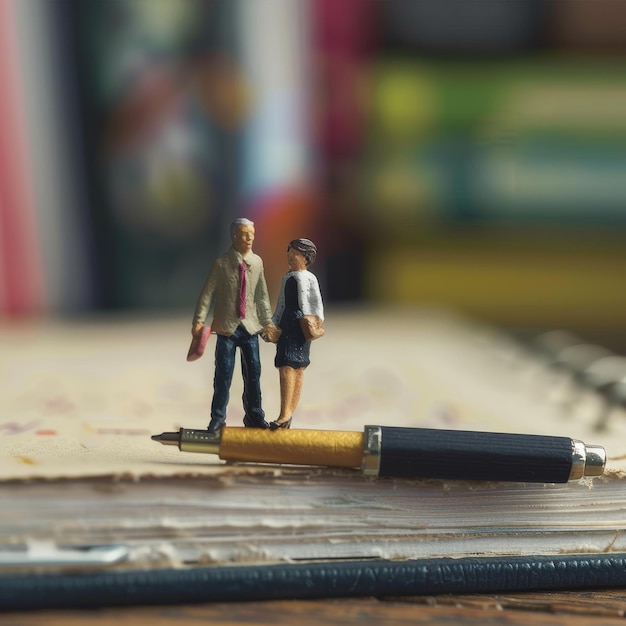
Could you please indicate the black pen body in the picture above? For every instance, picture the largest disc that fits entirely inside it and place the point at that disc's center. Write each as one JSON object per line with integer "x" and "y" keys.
{"x": 450, "y": 454}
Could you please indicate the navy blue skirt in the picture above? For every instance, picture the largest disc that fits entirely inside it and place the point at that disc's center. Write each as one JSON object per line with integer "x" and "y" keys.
{"x": 292, "y": 348}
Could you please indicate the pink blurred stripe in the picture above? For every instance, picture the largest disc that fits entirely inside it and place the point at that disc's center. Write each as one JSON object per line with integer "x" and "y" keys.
{"x": 21, "y": 289}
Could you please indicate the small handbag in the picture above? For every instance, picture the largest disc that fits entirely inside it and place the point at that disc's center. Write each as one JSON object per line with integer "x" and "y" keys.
{"x": 311, "y": 327}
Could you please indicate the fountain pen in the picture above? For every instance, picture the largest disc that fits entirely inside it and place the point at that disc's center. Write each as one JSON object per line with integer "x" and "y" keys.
{"x": 405, "y": 452}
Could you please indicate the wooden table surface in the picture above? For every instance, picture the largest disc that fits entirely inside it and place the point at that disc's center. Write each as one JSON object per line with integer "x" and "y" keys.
{"x": 597, "y": 608}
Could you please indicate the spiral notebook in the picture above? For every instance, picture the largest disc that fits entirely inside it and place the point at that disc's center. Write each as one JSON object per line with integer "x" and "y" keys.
{"x": 90, "y": 493}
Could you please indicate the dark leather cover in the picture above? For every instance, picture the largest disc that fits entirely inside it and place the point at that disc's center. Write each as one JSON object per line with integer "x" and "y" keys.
{"x": 312, "y": 580}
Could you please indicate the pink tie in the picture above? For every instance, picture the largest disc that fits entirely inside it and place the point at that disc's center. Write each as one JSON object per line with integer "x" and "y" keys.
{"x": 241, "y": 305}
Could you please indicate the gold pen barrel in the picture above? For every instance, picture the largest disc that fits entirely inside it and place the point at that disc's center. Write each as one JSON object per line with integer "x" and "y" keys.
{"x": 296, "y": 447}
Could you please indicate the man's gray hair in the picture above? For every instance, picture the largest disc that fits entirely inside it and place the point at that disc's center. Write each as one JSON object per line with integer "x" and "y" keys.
{"x": 240, "y": 221}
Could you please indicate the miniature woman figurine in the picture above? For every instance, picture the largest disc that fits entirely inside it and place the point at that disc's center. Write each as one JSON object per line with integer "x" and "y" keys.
{"x": 299, "y": 305}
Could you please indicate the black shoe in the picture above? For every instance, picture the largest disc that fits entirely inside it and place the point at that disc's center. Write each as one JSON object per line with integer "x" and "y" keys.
{"x": 275, "y": 425}
{"x": 216, "y": 425}
{"x": 249, "y": 422}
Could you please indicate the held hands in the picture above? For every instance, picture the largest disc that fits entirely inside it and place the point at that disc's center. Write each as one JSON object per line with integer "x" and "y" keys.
{"x": 271, "y": 333}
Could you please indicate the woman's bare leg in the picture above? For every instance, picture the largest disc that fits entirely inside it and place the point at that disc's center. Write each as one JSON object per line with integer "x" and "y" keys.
{"x": 290, "y": 390}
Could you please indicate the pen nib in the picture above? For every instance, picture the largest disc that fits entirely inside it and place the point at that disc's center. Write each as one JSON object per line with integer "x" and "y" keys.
{"x": 167, "y": 439}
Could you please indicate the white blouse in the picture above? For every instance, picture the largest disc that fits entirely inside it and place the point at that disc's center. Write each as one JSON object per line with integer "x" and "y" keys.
{"x": 309, "y": 296}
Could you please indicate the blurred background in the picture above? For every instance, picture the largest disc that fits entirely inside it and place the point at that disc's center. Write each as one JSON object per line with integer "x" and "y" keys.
{"x": 469, "y": 154}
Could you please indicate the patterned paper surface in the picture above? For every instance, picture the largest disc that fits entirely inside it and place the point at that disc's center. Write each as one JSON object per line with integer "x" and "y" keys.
{"x": 82, "y": 398}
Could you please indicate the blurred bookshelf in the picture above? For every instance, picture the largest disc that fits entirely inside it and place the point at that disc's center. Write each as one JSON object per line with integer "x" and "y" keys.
{"x": 468, "y": 155}
{"x": 490, "y": 176}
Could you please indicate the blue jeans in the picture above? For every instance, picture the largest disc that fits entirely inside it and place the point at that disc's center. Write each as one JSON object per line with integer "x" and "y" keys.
{"x": 250, "y": 371}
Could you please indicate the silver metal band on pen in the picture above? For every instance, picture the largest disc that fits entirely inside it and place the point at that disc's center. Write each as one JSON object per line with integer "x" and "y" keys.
{"x": 586, "y": 460}
{"x": 372, "y": 450}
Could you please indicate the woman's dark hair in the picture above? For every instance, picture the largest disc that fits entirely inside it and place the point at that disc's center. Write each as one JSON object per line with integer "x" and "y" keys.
{"x": 306, "y": 247}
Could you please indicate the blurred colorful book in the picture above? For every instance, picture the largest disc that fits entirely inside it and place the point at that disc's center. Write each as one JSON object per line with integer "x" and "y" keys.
{"x": 21, "y": 285}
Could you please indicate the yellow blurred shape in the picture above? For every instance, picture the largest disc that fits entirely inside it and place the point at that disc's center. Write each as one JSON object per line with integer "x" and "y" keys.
{"x": 404, "y": 102}
{"x": 594, "y": 106}
{"x": 511, "y": 288}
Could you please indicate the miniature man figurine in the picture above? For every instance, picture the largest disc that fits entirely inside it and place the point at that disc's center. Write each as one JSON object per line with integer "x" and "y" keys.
{"x": 236, "y": 292}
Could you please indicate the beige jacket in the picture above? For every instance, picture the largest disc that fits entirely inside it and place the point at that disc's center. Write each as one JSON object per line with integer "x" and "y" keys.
{"x": 221, "y": 291}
